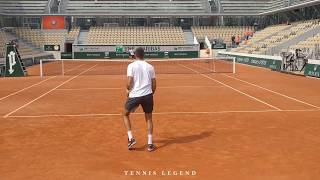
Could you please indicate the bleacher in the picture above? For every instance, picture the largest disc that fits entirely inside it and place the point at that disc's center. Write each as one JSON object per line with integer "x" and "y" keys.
{"x": 39, "y": 38}
{"x": 256, "y": 42}
{"x": 3, "y": 40}
{"x": 136, "y": 7}
{"x": 277, "y": 4}
{"x": 255, "y": 7}
{"x": 25, "y": 51}
{"x": 296, "y": 2}
{"x": 136, "y": 36}
{"x": 244, "y": 6}
{"x": 73, "y": 34}
{"x": 308, "y": 44}
{"x": 259, "y": 44}
{"x": 23, "y": 6}
{"x": 220, "y": 32}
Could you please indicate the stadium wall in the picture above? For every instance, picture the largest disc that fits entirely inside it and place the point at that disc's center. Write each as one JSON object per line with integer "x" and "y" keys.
{"x": 312, "y": 68}
{"x": 120, "y": 52}
{"x": 271, "y": 62}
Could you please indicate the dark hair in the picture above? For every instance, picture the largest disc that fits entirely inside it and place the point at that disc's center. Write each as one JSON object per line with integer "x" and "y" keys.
{"x": 139, "y": 52}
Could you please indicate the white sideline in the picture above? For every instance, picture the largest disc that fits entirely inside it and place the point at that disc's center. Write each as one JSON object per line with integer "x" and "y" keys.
{"x": 119, "y": 88}
{"x": 26, "y": 88}
{"x": 41, "y": 69}
{"x": 68, "y": 80}
{"x": 163, "y": 113}
{"x": 74, "y": 68}
{"x": 241, "y": 92}
{"x": 280, "y": 94}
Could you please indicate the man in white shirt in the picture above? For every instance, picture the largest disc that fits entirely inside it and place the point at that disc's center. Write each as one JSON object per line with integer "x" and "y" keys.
{"x": 141, "y": 85}
{"x": 131, "y": 54}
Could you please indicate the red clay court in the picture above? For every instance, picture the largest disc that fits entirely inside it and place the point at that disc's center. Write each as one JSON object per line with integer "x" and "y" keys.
{"x": 256, "y": 124}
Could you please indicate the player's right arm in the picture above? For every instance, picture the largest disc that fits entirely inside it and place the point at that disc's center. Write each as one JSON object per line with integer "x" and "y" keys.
{"x": 154, "y": 85}
{"x": 129, "y": 79}
{"x": 153, "y": 81}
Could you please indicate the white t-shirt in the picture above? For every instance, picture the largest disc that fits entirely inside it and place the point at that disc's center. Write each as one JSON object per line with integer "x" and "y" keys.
{"x": 131, "y": 52}
{"x": 142, "y": 73}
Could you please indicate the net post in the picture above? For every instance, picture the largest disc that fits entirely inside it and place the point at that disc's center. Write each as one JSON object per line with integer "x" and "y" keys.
{"x": 234, "y": 65}
{"x": 41, "y": 69}
{"x": 62, "y": 67}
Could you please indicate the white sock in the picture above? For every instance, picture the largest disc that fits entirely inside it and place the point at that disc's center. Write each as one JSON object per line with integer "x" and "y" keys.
{"x": 149, "y": 138}
{"x": 130, "y": 135}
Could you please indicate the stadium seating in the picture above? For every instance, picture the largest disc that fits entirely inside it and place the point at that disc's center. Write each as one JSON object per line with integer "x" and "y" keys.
{"x": 25, "y": 51}
{"x": 244, "y": 6}
{"x": 73, "y": 33}
{"x": 255, "y": 7}
{"x": 256, "y": 42}
{"x": 280, "y": 34}
{"x": 136, "y": 36}
{"x": 23, "y": 6}
{"x": 3, "y": 40}
{"x": 276, "y": 4}
{"x": 42, "y": 37}
{"x": 308, "y": 44}
{"x": 223, "y": 32}
{"x": 295, "y": 2}
{"x": 136, "y": 7}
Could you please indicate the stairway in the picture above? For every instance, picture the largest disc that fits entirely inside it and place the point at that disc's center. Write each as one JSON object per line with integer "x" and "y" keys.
{"x": 83, "y": 37}
{"x": 22, "y": 63}
{"x": 188, "y": 34}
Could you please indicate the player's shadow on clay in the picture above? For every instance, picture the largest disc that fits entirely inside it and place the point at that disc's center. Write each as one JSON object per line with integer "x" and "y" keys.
{"x": 179, "y": 140}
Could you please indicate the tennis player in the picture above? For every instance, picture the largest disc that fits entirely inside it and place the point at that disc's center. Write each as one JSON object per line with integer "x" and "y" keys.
{"x": 141, "y": 85}
{"x": 131, "y": 54}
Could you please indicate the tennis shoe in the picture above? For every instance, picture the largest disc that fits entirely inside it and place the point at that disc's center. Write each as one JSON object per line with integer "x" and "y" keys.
{"x": 131, "y": 143}
{"x": 151, "y": 147}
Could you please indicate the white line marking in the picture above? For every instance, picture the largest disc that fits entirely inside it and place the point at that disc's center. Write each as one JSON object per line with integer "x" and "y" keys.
{"x": 241, "y": 92}
{"x": 80, "y": 89}
{"x": 163, "y": 113}
{"x": 74, "y": 68}
{"x": 280, "y": 94}
{"x": 118, "y": 88}
{"x": 21, "y": 90}
{"x": 68, "y": 80}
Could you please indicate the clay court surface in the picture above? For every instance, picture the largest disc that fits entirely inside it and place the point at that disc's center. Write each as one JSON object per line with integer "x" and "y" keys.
{"x": 253, "y": 125}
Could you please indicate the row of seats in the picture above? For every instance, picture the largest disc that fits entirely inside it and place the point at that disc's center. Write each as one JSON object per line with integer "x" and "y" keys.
{"x": 253, "y": 45}
{"x": 295, "y": 30}
{"x": 307, "y": 45}
{"x": 182, "y": 6}
{"x": 224, "y": 32}
{"x": 244, "y": 6}
{"x": 23, "y": 6}
{"x": 40, "y": 38}
{"x": 3, "y": 40}
{"x": 24, "y": 50}
{"x": 136, "y": 35}
{"x": 255, "y": 7}
{"x": 73, "y": 33}
{"x": 271, "y": 37}
{"x": 295, "y": 2}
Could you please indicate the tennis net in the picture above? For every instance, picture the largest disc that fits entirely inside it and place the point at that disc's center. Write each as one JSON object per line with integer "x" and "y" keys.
{"x": 118, "y": 67}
